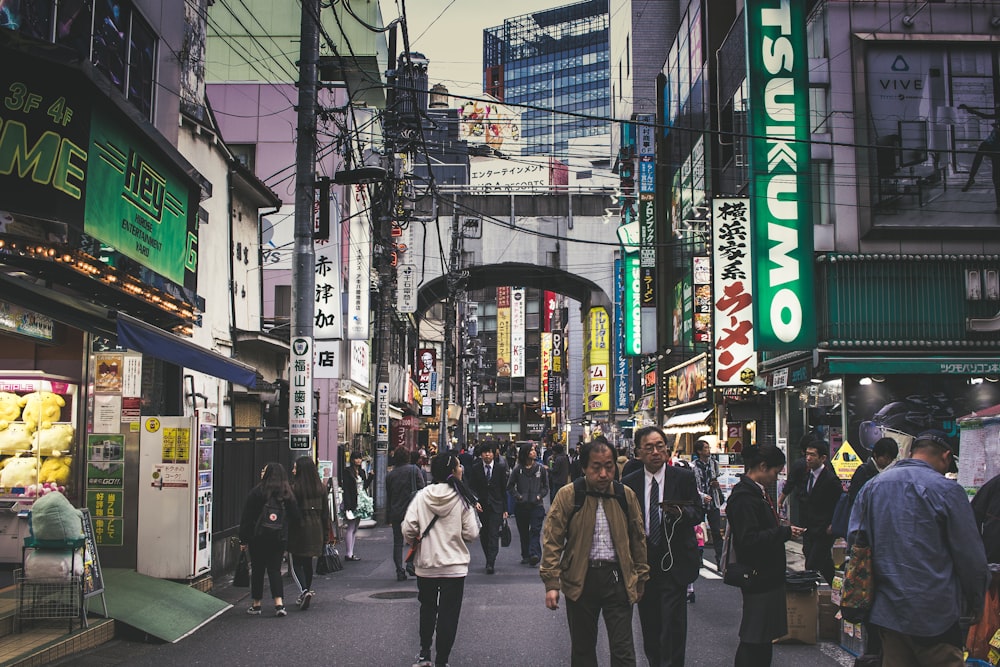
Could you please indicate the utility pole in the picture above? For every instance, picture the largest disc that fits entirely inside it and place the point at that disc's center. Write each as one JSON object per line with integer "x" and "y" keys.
{"x": 300, "y": 420}
{"x": 452, "y": 279}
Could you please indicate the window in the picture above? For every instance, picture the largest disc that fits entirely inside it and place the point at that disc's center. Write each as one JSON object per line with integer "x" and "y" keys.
{"x": 282, "y": 302}
{"x": 245, "y": 154}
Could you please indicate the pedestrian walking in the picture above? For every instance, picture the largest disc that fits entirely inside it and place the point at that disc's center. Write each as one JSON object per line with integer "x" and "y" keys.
{"x": 929, "y": 570}
{"x": 356, "y": 503}
{"x": 441, "y": 520}
{"x": 816, "y": 506}
{"x": 488, "y": 481}
{"x": 528, "y": 485}
{"x": 269, "y": 510}
{"x": 307, "y": 537}
{"x": 671, "y": 508}
{"x": 758, "y": 540}
{"x": 706, "y": 472}
{"x": 558, "y": 470}
{"x": 401, "y": 486}
{"x": 595, "y": 553}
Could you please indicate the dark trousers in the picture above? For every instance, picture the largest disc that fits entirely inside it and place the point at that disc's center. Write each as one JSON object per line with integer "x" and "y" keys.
{"x": 397, "y": 546}
{"x": 489, "y": 534}
{"x": 303, "y": 569}
{"x": 817, "y": 547}
{"x": 715, "y": 526}
{"x": 266, "y": 556}
{"x": 663, "y": 616}
{"x": 603, "y": 591}
{"x": 529, "y": 529}
{"x": 440, "y": 605}
{"x": 753, "y": 655}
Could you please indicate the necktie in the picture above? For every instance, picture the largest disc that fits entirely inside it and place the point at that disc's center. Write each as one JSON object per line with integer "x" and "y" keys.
{"x": 809, "y": 484}
{"x": 489, "y": 472}
{"x": 655, "y": 529}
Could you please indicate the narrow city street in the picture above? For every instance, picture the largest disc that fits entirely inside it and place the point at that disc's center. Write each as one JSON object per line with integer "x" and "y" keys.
{"x": 362, "y": 617}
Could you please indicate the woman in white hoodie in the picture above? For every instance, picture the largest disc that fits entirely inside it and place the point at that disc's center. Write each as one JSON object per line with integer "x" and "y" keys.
{"x": 440, "y": 520}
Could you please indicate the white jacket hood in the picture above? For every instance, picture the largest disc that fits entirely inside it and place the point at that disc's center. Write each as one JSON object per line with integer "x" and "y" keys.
{"x": 442, "y": 498}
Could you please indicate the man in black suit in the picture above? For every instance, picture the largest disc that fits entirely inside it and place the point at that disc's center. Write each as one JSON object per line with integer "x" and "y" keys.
{"x": 488, "y": 480}
{"x": 671, "y": 509}
{"x": 816, "y": 505}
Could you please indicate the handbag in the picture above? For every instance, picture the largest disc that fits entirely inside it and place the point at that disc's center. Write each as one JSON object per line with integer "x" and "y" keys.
{"x": 416, "y": 543}
{"x": 858, "y": 591}
{"x": 734, "y": 573}
{"x": 241, "y": 577}
{"x": 505, "y": 536}
{"x": 330, "y": 561}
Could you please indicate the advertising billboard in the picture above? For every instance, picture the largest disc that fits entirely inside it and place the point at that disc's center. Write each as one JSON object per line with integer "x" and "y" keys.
{"x": 734, "y": 357}
{"x": 632, "y": 306}
{"x": 517, "y": 312}
{"x": 687, "y": 383}
{"x": 598, "y": 351}
{"x": 503, "y": 332}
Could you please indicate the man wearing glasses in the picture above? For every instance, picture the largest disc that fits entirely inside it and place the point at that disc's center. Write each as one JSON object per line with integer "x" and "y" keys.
{"x": 671, "y": 507}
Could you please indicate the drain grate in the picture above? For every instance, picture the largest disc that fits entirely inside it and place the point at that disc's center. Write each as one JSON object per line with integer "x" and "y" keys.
{"x": 394, "y": 595}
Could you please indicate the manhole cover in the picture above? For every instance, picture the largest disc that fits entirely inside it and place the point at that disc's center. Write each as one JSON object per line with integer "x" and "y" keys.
{"x": 394, "y": 595}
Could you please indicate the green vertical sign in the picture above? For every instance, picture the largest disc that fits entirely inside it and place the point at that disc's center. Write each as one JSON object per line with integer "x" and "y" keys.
{"x": 779, "y": 174}
{"x": 632, "y": 304}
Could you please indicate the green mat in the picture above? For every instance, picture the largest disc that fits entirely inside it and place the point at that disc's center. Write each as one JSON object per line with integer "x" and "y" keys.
{"x": 164, "y": 609}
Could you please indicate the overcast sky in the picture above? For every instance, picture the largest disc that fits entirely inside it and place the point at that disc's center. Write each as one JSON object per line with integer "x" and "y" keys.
{"x": 450, "y": 34}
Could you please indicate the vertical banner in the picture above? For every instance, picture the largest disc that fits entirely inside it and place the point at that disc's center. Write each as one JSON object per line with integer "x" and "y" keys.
{"x": 598, "y": 358}
{"x": 359, "y": 277}
{"x": 382, "y": 416}
{"x": 426, "y": 363}
{"x": 545, "y": 365}
{"x": 503, "y": 332}
{"x": 734, "y": 355}
{"x": 702, "y": 272}
{"x": 633, "y": 306}
{"x": 620, "y": 360}
{"x": 300, "y": 400}
{"x": 517, "y": 309}
{"x": 779, "y": 175}
{"x": 549, "y": 302}
{"x": 328, "y": 323}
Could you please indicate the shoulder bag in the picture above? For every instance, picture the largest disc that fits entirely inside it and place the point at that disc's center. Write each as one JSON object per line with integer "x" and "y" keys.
{"x": 505, "y": 536}
{"x": 416, "y": 543}
{"x": 241, "y": 578}
{"x": 858, "y": 591}
{"x": 734, "y": 573}
{"x": 330, "y": 561}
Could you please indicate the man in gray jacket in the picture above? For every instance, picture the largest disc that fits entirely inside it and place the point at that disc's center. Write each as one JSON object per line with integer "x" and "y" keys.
{"x": 401, "y": 484}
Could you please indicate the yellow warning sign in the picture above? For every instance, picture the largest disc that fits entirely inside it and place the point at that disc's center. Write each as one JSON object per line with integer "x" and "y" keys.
{"x": 846, "y": 461}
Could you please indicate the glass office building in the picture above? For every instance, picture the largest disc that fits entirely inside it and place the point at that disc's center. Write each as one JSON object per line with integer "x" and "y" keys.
{"x": 553, "y": 59}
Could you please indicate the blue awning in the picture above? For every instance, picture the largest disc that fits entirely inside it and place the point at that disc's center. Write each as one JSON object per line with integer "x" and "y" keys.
{"x": 142, "y": 337}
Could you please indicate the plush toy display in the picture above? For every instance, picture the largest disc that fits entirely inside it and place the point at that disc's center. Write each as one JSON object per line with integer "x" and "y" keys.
{"x": 16, "y": 438}
{"x": 53, "y": 441}
{"x": 54, "y": 518}
{"x": 20, "y": 471}
{"x": 42, "y": 408}
{"x": 10, "y": 408}
{"x": 55, "y": 470}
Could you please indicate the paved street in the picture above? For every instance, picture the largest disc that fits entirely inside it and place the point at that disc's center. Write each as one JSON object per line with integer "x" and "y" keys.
{"x": 362, "y": 617}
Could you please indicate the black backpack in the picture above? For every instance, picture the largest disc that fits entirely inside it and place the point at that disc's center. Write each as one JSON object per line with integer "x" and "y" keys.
{"x": 580, "y": 495}
{"x": 271, "y": 523}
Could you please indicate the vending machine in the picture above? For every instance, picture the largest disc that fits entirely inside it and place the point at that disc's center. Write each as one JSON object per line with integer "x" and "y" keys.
{"x": 175, "y": 496}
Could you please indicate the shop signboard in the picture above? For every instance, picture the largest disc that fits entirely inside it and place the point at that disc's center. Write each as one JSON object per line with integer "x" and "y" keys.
{"x": 382, "y": 416}
{"x": 503, "y": 332}
{"x": 328, "y": 323}
{"x": 781, "y": 211}
{"x": 300, "y": 398}
{"x": 687, "y": 383}
{"x": 546, "y": 364}
{"x": 517, "y": 339}
{"x": 620, "y": 359}
{"x": 326, "y": 359}
{"x": 734, "y": 356}
{"x": 359, "y": 265}
{"x": 633, "y": 306}
{"x": 598, "y": 354}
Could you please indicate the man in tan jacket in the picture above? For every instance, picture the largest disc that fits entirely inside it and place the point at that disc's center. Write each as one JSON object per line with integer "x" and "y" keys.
{"x": 595, "y": 553}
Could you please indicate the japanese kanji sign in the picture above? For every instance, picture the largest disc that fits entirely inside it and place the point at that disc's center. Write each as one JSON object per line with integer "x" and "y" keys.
{"x": 733, "y": 349}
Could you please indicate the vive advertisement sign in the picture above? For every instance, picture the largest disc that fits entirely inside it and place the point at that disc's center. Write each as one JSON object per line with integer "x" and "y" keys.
{"x": 779, "y": 175}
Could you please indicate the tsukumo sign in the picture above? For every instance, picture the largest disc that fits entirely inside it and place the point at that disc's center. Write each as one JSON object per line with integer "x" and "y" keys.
{"x": 779, "y": 181}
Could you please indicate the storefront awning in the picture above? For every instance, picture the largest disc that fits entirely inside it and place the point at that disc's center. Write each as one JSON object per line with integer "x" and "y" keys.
{"x": 137, "y": 335}
{"x": 689, "y": 422}
{"x": 929, "y": 365}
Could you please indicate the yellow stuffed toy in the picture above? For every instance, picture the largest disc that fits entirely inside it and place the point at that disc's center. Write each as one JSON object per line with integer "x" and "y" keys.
{"x": 21, "y": 471}
{"x": 16, "y": 438}
{"x": 42, "y": 408}
{"x": 53, "y": 441}
{"x": 10, "y": 408}
{"x": 55, "y": 469}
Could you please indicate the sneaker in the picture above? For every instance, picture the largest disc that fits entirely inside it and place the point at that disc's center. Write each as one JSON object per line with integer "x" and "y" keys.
{"x": 308, "y": 596}
{"x": 254, "y": 611}
{"x": 424, "y": 660}
{"x": 279, "y": 610}
{"x": 302, "y": 596}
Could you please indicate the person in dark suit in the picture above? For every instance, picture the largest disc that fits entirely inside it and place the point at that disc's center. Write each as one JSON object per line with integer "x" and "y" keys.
{"x": 816, "y": 505}
{"x": 488, "y": 480}
{"x": 671, "y": 509}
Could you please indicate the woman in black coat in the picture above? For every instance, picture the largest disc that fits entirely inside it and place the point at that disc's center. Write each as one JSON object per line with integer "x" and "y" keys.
{"x": 306, "y": 540}
{"x": 759, "y": 539}
{"x": 267, "y": 549}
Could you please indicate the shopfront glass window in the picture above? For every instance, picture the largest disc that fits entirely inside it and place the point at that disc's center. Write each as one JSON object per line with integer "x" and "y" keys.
{"x": 110, "y": 39}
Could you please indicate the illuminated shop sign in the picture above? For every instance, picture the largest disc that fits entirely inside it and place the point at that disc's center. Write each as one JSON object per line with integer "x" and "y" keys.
{"x": 735, "y": 361}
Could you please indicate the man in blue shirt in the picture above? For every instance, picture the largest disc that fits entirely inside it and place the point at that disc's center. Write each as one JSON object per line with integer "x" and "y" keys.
{"x": 929, "y": 569}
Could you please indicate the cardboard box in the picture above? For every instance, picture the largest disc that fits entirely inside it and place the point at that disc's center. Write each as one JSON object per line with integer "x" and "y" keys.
{"x": 829, "y": 624}
{"x": 802, "y": 617}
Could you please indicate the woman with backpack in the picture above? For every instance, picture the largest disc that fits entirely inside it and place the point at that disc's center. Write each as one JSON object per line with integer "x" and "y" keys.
{"x": 306, "y": 540}
{"x": 269, "y": 510}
